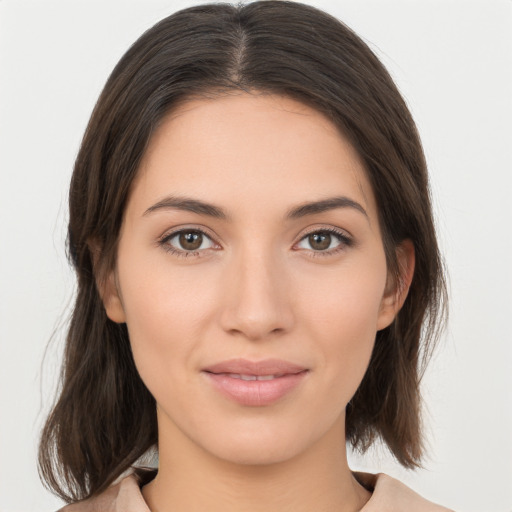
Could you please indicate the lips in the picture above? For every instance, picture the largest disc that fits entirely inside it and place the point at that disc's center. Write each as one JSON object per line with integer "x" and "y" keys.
{"x": 255, "y": 383}
{"x": 258, "y": 368}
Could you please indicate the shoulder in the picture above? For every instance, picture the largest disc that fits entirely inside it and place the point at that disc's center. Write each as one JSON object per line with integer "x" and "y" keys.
{"x": 391, "y": 495}
{"x": 124, "y": 496}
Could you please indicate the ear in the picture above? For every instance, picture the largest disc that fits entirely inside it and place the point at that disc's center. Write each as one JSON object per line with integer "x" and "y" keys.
{"x": 108, "y": 288}
{"x": 109, "y": 292}
{"x": 397, "y": 288}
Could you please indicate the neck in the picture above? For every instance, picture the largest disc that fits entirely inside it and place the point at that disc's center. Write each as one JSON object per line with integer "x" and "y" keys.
{"x": 190, "y": 479}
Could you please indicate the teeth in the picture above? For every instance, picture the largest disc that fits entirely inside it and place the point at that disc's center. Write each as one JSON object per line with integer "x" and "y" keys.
{"x": 252, "y": 377}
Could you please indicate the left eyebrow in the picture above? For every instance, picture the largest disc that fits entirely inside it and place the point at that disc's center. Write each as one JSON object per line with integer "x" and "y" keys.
{"x": 325, "y": 205}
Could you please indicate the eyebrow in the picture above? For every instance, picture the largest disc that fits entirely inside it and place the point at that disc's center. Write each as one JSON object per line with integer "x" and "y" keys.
{"x": 324, "y": 205}
{"x": 189, "y": 205}
{"x": 210, "y": 210}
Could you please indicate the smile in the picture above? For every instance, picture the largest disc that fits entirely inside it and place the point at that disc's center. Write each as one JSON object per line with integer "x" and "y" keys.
{"x": 255, "y": 384}
{"x": 253, "y": 377}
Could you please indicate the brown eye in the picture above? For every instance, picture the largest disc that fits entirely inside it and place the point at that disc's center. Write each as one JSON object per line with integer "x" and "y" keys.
{"x": 324, "y": 241}
{"x": 190, "y": 241}
{"x": 319, "y": 241}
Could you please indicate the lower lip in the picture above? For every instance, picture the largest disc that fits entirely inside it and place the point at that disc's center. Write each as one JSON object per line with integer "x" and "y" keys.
{"x": 255, "y": 393}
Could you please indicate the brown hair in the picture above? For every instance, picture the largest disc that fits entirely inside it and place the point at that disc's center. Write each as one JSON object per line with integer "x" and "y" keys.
{"x": 105, "y": 418}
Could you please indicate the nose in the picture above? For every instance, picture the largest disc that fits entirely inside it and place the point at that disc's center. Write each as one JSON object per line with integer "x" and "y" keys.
{"x": 257, "y": 303}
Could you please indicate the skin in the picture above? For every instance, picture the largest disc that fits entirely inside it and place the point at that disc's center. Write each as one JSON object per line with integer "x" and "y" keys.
{"x": 258, "y": 287}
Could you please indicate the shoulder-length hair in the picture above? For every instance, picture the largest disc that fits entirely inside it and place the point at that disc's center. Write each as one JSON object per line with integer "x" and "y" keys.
{"x": 105, "y": 418}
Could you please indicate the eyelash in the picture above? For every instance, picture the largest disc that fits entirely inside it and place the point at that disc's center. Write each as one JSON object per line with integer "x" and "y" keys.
{"x": 344, "y": 239}
{"x": 181, "y": 253}
{"x": 344, "y": 242}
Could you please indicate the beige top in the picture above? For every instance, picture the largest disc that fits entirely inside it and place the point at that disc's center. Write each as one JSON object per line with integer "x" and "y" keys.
{"x": 389, "y": 495}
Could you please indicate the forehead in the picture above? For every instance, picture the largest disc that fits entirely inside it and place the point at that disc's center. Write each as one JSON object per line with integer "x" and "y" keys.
{"x": 263, "y": 148}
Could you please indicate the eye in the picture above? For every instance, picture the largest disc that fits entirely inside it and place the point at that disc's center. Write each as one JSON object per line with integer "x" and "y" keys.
{"x": 325, "y": 240}
{"x": 187, "y": 241}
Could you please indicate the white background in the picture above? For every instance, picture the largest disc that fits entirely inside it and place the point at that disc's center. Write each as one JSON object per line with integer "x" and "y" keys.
{"x": 453, "y": 62}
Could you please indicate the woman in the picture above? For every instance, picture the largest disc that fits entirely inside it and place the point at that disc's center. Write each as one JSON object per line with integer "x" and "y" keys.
{"x": 252, "y": 233}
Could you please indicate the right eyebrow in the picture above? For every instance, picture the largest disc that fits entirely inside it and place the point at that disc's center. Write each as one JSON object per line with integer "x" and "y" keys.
{"x": 188, "y": 204}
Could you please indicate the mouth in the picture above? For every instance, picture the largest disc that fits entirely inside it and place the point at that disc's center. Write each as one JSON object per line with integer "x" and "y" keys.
{"x": 265, "y": 367}
{"x": 255, "y": 383}
{"x": 252, "y": 377}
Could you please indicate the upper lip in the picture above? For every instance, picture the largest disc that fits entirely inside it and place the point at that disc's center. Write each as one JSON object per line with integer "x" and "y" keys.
{"x": 263, "y": 367}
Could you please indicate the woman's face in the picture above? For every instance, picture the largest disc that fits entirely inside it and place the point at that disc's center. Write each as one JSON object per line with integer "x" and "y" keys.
{"x": 252, "y": 277}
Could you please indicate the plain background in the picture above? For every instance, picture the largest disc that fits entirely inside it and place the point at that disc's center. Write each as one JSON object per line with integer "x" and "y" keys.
{"x": 452, "y": 60}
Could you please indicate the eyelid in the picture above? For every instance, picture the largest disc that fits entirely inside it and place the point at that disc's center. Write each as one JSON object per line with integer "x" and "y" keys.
{"x": 176, "y": 230}
{"x": 189, "y": 227}
{"x": 325, "y": 228}
{"x": 344, "y": 237}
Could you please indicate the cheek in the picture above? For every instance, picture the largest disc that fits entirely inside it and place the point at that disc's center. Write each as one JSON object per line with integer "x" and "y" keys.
{"x": 342, "y": 314}
{"x": 345, "y": 300}
{"x": 166, "y": 309}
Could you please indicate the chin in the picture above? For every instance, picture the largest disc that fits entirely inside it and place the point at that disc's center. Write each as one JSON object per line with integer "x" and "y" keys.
{"x": 256, "y": 454}
{"x": 260, "y": 446}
